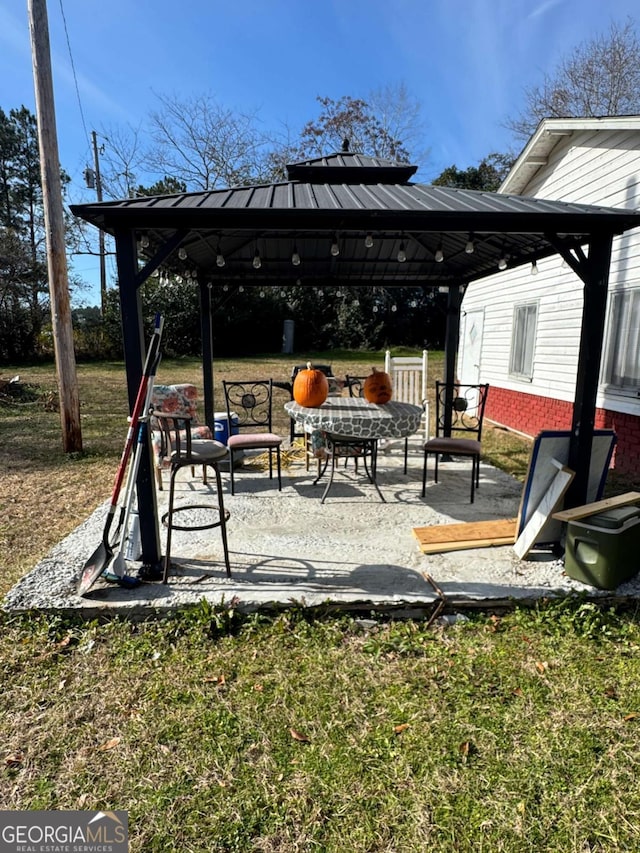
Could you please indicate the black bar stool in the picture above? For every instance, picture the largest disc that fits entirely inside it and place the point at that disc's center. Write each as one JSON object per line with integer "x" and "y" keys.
{"x": 188, "y": 452}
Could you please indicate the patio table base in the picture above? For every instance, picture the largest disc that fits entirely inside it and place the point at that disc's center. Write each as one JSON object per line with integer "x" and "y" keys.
{"x": 356, "y": 448}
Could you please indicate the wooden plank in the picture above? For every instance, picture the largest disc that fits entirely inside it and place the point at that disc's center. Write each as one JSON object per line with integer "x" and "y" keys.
{"x": 463, "y": 545}
{"x": 545, "y": 509}
{"x": 455, "y": 537}
{"x": 598, "y": 506}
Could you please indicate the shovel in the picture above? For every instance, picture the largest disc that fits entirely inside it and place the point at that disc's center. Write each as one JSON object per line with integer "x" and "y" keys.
{"x": 116, "y": 569}
{"x": 103, "y": 554}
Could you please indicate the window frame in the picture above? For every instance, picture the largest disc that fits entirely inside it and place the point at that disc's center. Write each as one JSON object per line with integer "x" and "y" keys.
{"x": 623, "y": 311}
{"x": 521, "y": 362}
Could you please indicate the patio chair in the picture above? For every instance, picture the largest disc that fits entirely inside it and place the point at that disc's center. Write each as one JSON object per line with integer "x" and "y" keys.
{"x": 325, "y": 368}
{"x": 252, "y": 401}
{"x": 293, "y": 434}
{"x": 179, "y": 399}
{"x": 355, "y": 385}
{"x": 459, "y": 416}
{"x": 177, "y": 431}
{"x": 409, "y": 381}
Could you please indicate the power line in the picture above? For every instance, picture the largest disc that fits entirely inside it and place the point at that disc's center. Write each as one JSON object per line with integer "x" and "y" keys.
{"x": 73, "y": 69}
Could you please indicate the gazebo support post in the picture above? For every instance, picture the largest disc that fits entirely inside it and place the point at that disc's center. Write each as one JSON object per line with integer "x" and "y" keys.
{"x": 134, "y": 355}
{"x": 451, "y": 340}
{"x": 594, "y": 271}
{"x": 206, "y": 333}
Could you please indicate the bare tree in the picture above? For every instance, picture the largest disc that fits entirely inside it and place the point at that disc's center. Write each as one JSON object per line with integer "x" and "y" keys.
{"x": 400, "y": 114}
{"x": 378, "y": 126}
{"x": 204, "y": 144}
{"x": 388, "y": 123}
{"x": 600, "y": 78}
{"x": 124, "y": 160}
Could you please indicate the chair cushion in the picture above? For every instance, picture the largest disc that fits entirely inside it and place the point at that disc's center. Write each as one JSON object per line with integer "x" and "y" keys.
{"x": 253, "y": 440}
{"x": 203, "y": 451}
{"x": 175, "y": 399}
{"x": 179, "y": 399}
{"x": 463, "y": 446}
{"x": 197, "y": 432}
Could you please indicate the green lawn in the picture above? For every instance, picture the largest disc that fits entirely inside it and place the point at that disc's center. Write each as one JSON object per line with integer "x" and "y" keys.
{"x": 225, "y": 733}
{"x": 218, "y": 731}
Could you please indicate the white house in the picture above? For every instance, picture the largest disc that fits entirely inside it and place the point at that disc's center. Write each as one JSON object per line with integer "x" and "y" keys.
{"x": 520, "y": 328}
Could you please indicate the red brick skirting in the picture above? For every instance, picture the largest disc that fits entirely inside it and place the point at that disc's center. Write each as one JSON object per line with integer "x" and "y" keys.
{"x": 531, "y": 413}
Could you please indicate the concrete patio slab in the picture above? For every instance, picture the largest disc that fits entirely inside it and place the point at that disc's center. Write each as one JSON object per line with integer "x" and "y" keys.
{"x": 353, "y": 552}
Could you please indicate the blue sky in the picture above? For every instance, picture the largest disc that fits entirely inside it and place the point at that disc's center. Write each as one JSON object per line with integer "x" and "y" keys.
{"x": 466, "y": 61}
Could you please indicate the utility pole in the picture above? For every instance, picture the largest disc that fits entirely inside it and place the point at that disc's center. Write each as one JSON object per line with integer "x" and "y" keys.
{"x": 103, "y": 272}
{"x": 54, "y": 225}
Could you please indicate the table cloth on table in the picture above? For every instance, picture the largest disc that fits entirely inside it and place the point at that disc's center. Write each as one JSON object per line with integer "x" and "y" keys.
{"x": 357, "y": 418}
{"x": 353, "y": 421}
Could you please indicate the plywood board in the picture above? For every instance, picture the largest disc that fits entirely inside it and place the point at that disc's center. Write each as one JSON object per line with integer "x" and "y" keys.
{"x": 554, "y": 444}
{"x": 598, "y": 506}
{"x": 550, "y": 502}
{"x": 458, "y": 537}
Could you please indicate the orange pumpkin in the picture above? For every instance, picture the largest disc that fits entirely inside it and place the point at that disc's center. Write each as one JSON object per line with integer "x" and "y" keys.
{"x": 310, "y": 387}
{"x": 377, "y": 387}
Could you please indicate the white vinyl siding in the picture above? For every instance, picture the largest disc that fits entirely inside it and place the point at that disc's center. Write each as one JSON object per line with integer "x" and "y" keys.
{"x": 595, "y": 167}
{"x": 622, "y": 365}
{"x": 523, "y": 340}
{"x": 598, "y": 167}
{"x": 558, "y": 294}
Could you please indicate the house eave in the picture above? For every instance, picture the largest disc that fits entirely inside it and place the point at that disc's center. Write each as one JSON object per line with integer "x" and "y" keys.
{"x": 549, "y": 134}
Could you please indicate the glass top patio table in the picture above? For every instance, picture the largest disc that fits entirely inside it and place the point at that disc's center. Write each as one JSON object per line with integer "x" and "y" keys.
{"x": 355, "y": 417}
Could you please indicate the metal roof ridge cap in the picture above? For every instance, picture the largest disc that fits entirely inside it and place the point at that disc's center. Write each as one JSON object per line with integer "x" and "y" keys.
{"x": 459, "y": 192}
{"x": 420, "y": 194}
{"x": 307, "y": 189}
{"x": 272, "y": 194}
{"x": 349, "y": 191}
{"x": 329, "y": 189}
{"x": 385, "y": 188}
{"x": 413, "y": 191}
{"x": 367, "y": 190}
{"x": 291, "y": 194}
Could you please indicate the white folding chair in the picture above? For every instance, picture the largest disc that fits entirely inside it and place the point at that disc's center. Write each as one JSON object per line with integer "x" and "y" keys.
{"x": 409, "y": 381}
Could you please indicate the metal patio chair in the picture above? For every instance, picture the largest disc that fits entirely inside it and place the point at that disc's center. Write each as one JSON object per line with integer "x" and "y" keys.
{"x": 459, "y": 416}
{"x": 251, "y": 401}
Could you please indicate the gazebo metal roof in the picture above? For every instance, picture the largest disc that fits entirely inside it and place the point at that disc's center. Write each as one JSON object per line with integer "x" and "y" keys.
{"x": 343, "y": 198}
{"x": 347, "y": 217}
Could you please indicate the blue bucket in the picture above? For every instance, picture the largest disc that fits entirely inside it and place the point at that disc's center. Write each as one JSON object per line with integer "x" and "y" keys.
{"x": 221, "y": 426}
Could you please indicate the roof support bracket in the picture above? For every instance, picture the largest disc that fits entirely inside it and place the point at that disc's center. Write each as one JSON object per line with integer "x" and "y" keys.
{"x": 573, "y": 255}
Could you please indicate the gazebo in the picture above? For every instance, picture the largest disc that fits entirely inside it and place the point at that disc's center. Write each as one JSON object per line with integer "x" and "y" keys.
{"x": 356, "y": 220}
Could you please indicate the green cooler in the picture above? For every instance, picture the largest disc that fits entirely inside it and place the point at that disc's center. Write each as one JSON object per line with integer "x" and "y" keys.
{"x": 604, "y": 549}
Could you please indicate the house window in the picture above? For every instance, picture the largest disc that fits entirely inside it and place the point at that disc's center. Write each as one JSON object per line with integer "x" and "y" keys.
{"x": 622, "y": 367}
{"x": 523, "y": 340}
